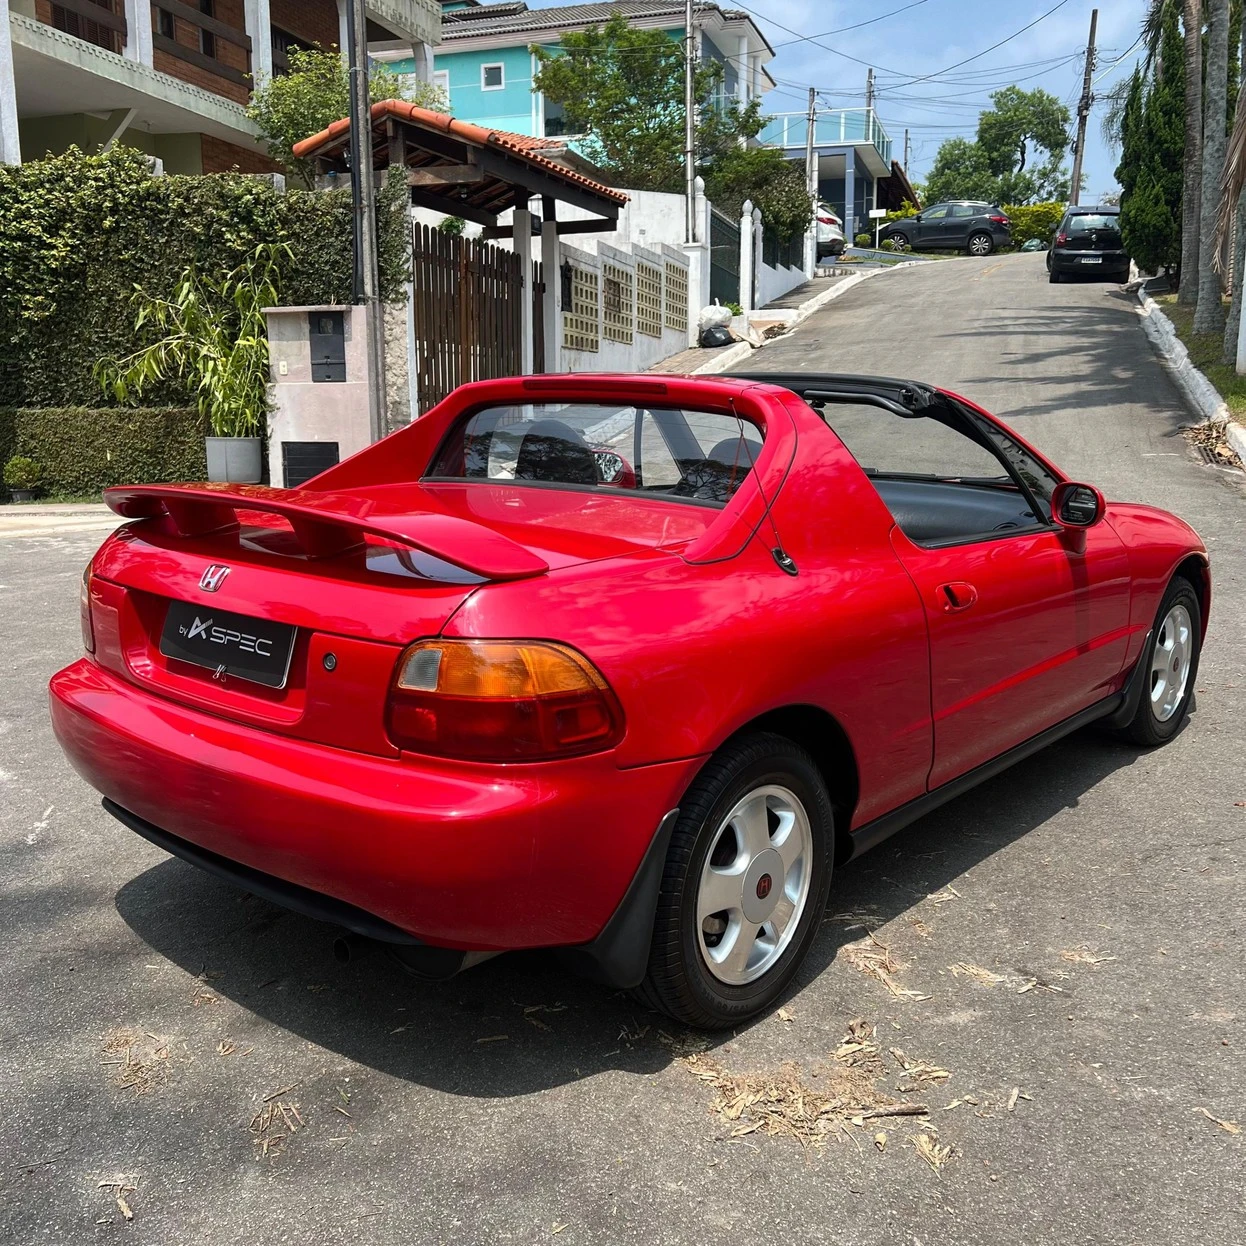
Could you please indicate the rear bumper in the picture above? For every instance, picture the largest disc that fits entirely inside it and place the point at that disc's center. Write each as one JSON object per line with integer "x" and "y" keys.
{"x": 1076, "y": 261}
{"x": 471, "y": 857}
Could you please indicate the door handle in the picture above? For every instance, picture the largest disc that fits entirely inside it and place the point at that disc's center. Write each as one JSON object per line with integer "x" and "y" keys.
{"x": 957, "y": 596}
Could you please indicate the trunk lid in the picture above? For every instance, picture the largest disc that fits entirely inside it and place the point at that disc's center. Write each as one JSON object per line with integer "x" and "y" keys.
{"x": 356, "y": 576}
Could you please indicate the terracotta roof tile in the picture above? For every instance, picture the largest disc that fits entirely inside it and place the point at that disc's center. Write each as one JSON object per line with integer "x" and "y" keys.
{"x": 522, "y": 145}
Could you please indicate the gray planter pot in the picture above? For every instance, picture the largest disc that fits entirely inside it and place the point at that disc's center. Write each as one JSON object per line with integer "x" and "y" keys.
{"x": 236, "y": 460}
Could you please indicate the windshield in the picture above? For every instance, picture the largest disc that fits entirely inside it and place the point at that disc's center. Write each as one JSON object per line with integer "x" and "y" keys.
{"x": 696, "y": 456}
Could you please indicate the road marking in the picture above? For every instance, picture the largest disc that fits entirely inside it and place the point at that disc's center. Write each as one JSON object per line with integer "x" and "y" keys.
{"x": 986, "y": 272}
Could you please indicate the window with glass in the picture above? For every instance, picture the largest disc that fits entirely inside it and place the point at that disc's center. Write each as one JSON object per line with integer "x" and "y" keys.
{"x": 701, "y": 457}
{"x": 492, "y": 77}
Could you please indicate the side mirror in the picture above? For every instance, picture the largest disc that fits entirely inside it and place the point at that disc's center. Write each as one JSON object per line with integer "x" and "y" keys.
{"x": 1077, "y": 506}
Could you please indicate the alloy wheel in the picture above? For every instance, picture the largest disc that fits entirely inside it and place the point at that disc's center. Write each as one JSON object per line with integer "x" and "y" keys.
{"x": 1170, "y": 662}
{"x": 979, "y": 244}
{"x": 754, "y": 885}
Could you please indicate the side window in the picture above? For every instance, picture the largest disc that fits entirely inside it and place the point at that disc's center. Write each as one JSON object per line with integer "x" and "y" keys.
{"x": 935, "y": 214}
{"x": 963, "y": 210}
{"x": 941, "y": 486}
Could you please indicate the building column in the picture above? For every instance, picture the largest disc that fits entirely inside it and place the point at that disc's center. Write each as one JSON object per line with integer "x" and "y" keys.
{"x": 138, "y": 32}
{"x": 343, "y": 26}
{"x": 523, "y": 249}
{"x": 260, "y": 27}
{"x": 551, "y": 303}
{"x": 423, "y": 57}
{"x": 744, "y": 84}
{"x": 850, "y": 195}
{"x": 10, "y": 143}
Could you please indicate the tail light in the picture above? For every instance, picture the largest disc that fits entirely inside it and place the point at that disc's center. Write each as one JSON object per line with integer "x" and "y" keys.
{"x": 84, "y": 611}
{"x": 999, "y": 220}
{"x": 828, "y": 220}
{"x": 501, "y": 701}
{"x": 1061, "y": 239}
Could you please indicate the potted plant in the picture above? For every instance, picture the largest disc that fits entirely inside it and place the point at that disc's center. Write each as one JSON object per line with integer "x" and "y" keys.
{"x": 213, "y": 339}
{"x": 22, "y": 477}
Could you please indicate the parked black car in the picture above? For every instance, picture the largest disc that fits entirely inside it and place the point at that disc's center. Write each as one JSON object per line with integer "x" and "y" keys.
{"x": 963, "y": 224}
{"x": 1088, "y": 240}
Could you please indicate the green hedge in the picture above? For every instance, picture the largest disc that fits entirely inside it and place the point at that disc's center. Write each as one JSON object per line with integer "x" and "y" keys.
{"x": 82, "y": 450}
{"x": 78, "y": 233}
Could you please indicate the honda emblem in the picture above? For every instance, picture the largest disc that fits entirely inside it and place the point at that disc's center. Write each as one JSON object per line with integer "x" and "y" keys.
{"x": 213, "y": 577}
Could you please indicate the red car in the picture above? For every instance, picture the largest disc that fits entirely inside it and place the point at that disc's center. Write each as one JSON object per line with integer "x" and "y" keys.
{"x": 617, "y": 665}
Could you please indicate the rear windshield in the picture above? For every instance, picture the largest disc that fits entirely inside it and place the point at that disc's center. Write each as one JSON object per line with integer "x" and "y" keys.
{"x": 697, "y": 456}
{"x": 1084, "y": 224}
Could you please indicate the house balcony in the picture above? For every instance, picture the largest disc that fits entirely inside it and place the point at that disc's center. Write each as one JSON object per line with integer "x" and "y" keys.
{"x": 834, "y": 130}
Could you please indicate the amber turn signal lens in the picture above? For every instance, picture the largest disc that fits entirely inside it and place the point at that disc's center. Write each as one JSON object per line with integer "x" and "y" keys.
{"x": 494, "y": 700}
{"x": 84, "y": 611}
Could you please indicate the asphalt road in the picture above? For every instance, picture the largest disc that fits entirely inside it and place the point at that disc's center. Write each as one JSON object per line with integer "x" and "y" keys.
{"x": 147, "y": 1011}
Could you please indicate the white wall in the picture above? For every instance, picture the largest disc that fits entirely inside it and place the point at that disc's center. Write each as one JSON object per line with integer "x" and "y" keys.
{"x": 773, "y": 283}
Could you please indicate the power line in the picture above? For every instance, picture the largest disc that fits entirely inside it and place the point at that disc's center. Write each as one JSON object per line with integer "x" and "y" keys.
{"x": 1016, "y": 34}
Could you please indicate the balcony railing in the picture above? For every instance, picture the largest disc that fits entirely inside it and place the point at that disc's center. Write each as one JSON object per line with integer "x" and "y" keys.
{"x": 837, "y": 125}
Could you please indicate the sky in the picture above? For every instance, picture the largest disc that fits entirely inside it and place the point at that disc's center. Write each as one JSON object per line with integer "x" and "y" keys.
{"x": 922, "y": 39}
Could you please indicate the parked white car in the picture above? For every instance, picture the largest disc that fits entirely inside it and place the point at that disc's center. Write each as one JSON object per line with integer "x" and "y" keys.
{"x": 830, "y": 232}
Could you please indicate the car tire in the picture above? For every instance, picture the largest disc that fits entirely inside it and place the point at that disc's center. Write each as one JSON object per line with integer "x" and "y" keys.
{"x": 1054, "y": 277}
{"x": 758, "y": 807}
{"x": 1170, "y": 667}
{"x": 900, "y": 241}
{"x": 980, "y": 244}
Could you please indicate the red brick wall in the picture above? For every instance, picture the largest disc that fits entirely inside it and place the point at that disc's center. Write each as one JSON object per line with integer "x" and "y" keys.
{"x": 222, "y": 157}
{"x": 187, "y": 34}
{"x": 312, "y": 21}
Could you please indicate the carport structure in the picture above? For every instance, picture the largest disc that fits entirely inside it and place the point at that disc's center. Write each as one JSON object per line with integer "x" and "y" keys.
{"x": 478, "y": 174}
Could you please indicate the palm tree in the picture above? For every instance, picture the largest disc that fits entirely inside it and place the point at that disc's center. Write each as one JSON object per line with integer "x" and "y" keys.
{"x": 1209, "y": 311}
{"x": 1192, "y": 168}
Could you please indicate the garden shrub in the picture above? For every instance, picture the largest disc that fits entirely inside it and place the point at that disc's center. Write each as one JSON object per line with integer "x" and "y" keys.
{"x": 82, "y": 450}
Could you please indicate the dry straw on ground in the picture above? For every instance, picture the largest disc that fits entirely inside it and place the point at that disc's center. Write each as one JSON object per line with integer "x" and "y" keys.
{"x": 139, "y": 1059}
{"x": 874, "y": 957}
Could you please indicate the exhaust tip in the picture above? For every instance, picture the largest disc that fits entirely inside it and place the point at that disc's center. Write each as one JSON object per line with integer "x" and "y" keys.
{"x": 347, "y": 948}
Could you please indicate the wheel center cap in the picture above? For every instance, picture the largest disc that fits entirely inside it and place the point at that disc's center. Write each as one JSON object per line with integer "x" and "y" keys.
{"x": 762, "y": 885}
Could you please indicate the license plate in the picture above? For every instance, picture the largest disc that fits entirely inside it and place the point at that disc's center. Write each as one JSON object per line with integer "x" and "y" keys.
{"x": 256, "y": 650}
{"x": 1092, "y": 259}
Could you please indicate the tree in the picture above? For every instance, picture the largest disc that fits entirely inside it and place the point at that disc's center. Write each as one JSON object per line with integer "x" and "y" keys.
{"x": 1133, "y": 137}
{"x": 775, "y": 184}
{"x": 1001, "y": 165}
{"x": 314, "y": 94}
{"x": 1208, "y": 310}
{"x": 1192, "y": 157}
{"x": 624, "y": 88}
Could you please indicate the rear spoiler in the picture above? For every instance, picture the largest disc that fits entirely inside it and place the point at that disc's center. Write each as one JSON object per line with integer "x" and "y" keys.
{"x": 327, "y": 524}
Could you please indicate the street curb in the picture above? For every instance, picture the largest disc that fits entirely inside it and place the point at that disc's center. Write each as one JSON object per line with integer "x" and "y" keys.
{"x": 1200, "y": 394}
{"x": 742, "y": 350}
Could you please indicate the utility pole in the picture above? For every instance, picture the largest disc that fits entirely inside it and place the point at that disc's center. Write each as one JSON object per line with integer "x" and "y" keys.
{"x": 690, "y": 127}
{"x": 1083, "y": 111}
{"x": 869, "y": 89}
{"x": 906, "y": 151}
{"x": 811, "y": 184}
{"x": 363, "y": 201}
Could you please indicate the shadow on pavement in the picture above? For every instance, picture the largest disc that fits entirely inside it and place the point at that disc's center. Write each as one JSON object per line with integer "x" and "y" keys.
{"x": 559, "y": 1028}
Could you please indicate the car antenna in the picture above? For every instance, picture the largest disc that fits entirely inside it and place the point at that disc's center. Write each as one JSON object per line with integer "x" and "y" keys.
{"x": 783, "y": 560}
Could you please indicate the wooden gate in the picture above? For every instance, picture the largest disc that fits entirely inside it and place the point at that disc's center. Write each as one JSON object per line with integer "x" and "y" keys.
{"x": 465, "y": 308}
